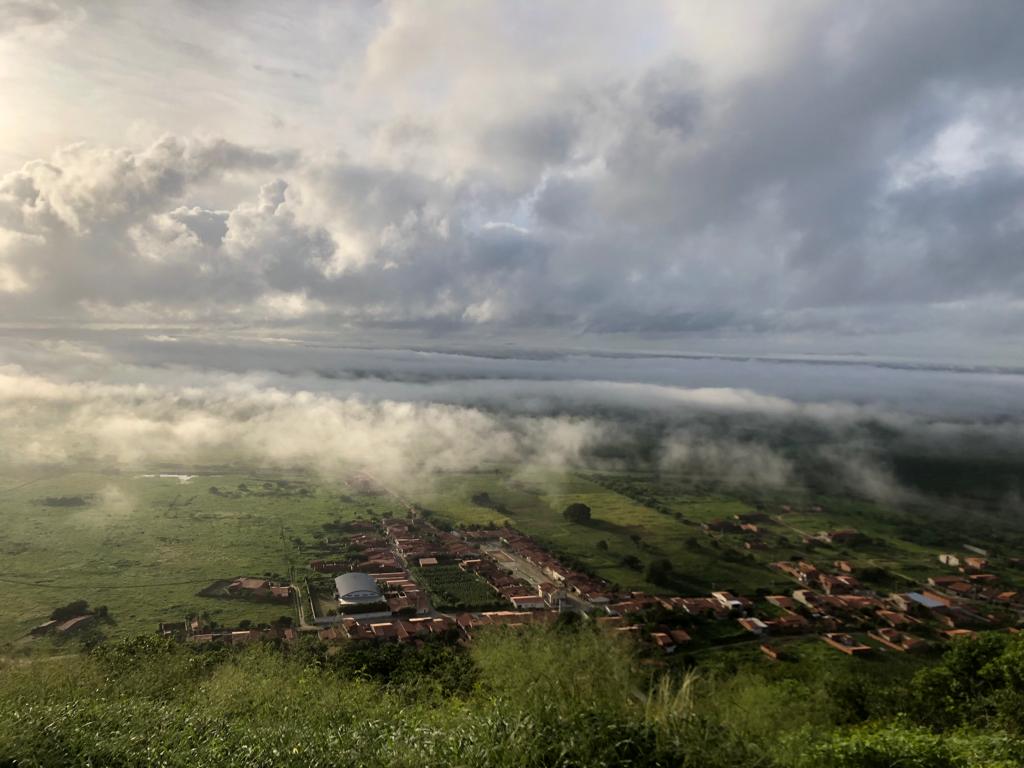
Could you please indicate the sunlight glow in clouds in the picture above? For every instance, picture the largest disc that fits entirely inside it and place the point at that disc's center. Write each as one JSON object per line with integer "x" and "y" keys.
{"x": 799, "y": 176}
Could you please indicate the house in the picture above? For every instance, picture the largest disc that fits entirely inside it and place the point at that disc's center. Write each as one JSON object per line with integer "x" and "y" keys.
{"x": 634, "y": 605}
{"x": 75, "y": 623}
{"x": 802, "y": 571}
{"x": 551, "y": 593}
{"x": 956, "y": 617}
{"x": 385, "y": 630}
{"x": 845, "y": 643}
{"x": 426, "y": 562}
{"x": 841, "y": 536}
{"x": 833, "y": 585}
{"x": 955, "y": 634}
{"x": 896, "y": 640}
{"x": 789, "y": 622}
{"x": 258, "y": 589}
{"x": 975, "y": 563}
{"x": 844, "y": 566}
{"x": 729, "y": 601}
{"x": 784, "y": 602}
{"x": 44, "y": 628}
{"x": 951, "y": 560}
{"x": 701, "y": 606}
{"x": 246, "y": 584}
{"x": 808, "y": 598}
{"x": 175, "y": 629}
{"x": 401, "y": 605}
{"x": 280, "y": 592}
{"x": 961, "y": 588}
{"x": 357, "y": 589}
{"x": 528, "y": 602}
{"x": 753, "y": 517}
{"x": 859, "y": 602}
{"x": 895, "y": 618}
{"x": 664, "y": 641}
{"x": 679, "y": 636}
{"x": 982, "y": 578}
{"x": 935, "y": 596}
{"x": 771, "y": 651}
{"x": 942, "y": 581}
{"x": 753, "y": 625}
{"x": 909, "y": 601}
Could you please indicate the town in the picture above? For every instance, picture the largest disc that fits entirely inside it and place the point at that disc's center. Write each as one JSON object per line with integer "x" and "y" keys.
{"x": 405, "y": 579}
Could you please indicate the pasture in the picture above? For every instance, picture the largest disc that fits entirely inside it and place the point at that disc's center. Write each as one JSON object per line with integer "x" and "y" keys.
{"x": 144, "y": 546}
{"x": 533, "y": 503}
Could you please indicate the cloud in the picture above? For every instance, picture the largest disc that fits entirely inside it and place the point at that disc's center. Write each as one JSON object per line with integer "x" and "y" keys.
{"x": 37, "y": 21}
{"x": 814, "y": 174}
{"x": 78, "y": 404}
{"x": 237, "y": 420}
{"x": 736, "y": 463}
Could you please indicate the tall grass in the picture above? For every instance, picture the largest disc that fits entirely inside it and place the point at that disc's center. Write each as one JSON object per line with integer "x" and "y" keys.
{"x": 536, "y": 697}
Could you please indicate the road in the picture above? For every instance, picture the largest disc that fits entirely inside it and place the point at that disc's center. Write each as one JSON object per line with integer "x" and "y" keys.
{"x": 300, "y": 602}
{"x": 391, "y": 492}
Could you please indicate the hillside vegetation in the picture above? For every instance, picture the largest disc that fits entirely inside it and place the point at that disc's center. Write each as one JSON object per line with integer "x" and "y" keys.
{"x": 565, "y": 696}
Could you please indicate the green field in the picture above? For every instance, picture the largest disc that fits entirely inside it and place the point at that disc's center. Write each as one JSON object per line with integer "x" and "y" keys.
{"x": 533, "y": 503}
{"x": 647, "y": 517}
{"x": 145, "y": 546}
{"x": 452, "y": 589}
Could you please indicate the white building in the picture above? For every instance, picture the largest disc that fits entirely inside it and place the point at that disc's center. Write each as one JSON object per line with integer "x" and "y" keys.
{"x": 357, "y": 589}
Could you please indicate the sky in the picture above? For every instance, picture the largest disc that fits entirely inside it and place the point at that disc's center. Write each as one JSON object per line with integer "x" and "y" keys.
{"x": 766, "y": 241}
{"x": 775, "y": 178}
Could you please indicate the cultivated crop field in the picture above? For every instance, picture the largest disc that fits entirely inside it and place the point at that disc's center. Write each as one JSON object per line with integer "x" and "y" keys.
{"x": 453, "y": 589}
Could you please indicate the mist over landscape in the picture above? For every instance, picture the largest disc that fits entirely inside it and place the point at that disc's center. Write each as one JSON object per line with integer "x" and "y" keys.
{"x": 512, "y": 384}
{"x": 409, "y": 413}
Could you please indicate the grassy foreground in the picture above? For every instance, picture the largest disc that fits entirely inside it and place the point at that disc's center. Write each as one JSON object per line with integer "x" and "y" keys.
{"x": 557, "y": 697}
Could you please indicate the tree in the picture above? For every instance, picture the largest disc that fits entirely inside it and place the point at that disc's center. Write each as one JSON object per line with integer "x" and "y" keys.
{"x": 69, "y": 611}
{"x": 659, "y": 572}
{"x": 632, "y": 562}
{"x": 577, "y": 513}
{"x": 602, "y": 545}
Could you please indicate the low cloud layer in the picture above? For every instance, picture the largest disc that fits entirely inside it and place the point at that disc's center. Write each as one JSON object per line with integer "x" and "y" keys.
{"x": 823, "y": 176}
{"x": 115, "y": 413}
